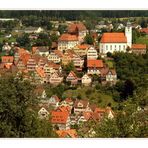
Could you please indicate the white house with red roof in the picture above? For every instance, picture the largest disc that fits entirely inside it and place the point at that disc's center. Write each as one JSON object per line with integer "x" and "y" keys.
{"x": 80, "y": 106}
{"x": 108, "y": 76}
{"x": 116, "y": 42}
{"x": 67, "y": 41}
{"x": 72, "y": 78}
{"x": 138, "y": 48}
{"x": 94, "y": 66}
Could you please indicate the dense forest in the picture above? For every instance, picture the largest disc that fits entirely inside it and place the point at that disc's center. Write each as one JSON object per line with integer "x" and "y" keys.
{"x": 73, "y": 14}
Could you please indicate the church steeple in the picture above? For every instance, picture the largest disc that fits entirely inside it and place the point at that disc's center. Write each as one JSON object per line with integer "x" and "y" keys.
{"x": 128, "y": 34}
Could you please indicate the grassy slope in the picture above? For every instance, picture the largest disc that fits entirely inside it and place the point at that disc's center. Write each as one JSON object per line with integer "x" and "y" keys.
{"x": 142, "y": 40}
{"x": 97, "y": 97}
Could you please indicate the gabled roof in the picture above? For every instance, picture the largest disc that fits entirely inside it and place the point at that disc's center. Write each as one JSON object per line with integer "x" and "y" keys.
{"x": 56, "y": 98}
{"x": 99, "y": 110}
{"x": 86, "y": 75}
{"x": 53, "y": 65}
{"x": 68, "y": 37}
{"x": 139, "y": 46}
{"x": 25, "y": 57}
{"x": 40, "y": 72}
{"x": 113, "y": 38}
{"x": 7, "y": 59}
{"x": 72, "y": 74}
{"x": 145, "y": 30}
{"x": 104, "y": 71}
{"x": 76, "y": 27}
{"x": 55, "y": 75}
{"x": 58, "y": 53}
{"x": 67, "y": 133}
{"x": 59, "y": 117}
{"x": 95, "y": 63}
{"x": 64, "y": 109}
{"x": 21, "y": 51}
{"x": 40, "y": 49}
{"x": 83, "y": 46}
{"x": 68, "y": 100}
{"x": 84, "y": 102}
{"x": 36, "y": 58}
{"x": 91, "y": 116}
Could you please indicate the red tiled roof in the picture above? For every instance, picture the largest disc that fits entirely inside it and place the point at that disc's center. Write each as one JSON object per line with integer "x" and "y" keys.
{"x": 25, "y": 57}
{"x": 104, "y": 71}
{"x": 87, "y": 115}
{"x": 83, "y": 46}
{"x": 138, "y": 46}
{"x": 68, "y": 37}
{"x": 64, "y": 109}
{"x": 95, "y": 63}
{"x": 145, "y": 30}
{"x": 7, "y": 59}
{"x": 64, "y": 133}
{"x": 59, "y": 117}
{"x": 74, "y": 27}
{"x": 53, "y": 65}
{"x": 21, "y": 51}
{"x": 68, "y": 100}
{"x": 40, "y": 71}
{"x": 99, "y": 110}
{"x": 113, "y": 38}
{"x": 58, "y": 52}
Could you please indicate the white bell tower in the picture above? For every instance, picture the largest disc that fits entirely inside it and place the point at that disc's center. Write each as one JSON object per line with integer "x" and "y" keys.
{"x": 128, "y": 34}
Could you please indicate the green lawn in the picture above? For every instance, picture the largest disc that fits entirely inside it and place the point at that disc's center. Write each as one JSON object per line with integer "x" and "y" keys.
{"x": 94, "y": 96}
{"x": 142, "y": 40}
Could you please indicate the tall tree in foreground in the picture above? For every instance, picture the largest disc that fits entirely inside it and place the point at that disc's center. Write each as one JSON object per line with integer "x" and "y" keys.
{"x": 17, "y": 116}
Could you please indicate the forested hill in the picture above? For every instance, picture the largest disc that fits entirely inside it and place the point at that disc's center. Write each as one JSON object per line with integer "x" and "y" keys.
{"x": 73, "y": 14}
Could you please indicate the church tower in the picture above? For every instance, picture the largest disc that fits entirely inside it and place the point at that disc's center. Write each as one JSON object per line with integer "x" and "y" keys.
{"x": 128, "y": 34}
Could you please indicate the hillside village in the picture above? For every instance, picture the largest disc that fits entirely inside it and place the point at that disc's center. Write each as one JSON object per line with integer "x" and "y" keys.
{"x": 79, "y": 58}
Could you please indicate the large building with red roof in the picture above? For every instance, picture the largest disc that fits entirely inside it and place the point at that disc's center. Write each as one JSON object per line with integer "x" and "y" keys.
{"x": 115, "y": 41}
{"x": 78, "y": 29}
{"x": 67, "y": 41}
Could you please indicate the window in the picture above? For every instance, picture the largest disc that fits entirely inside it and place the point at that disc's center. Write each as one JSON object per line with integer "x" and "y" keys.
{"x": 124, "y": 47}
{"x": 110, "y": 47}
{"x": 106, "y": 47}
{"x": 119, "y": 47}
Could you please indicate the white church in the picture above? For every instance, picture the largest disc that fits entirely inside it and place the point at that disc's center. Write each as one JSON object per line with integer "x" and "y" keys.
{"x": 113, "y": 42}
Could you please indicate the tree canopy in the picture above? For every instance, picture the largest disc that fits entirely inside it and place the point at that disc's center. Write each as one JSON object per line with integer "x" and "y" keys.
{"x": 18, "y": 118}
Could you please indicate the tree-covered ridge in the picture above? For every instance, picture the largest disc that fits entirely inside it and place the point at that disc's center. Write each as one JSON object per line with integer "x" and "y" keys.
{"x": 74, "y": 14}
{"x": 18, "y": 118}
